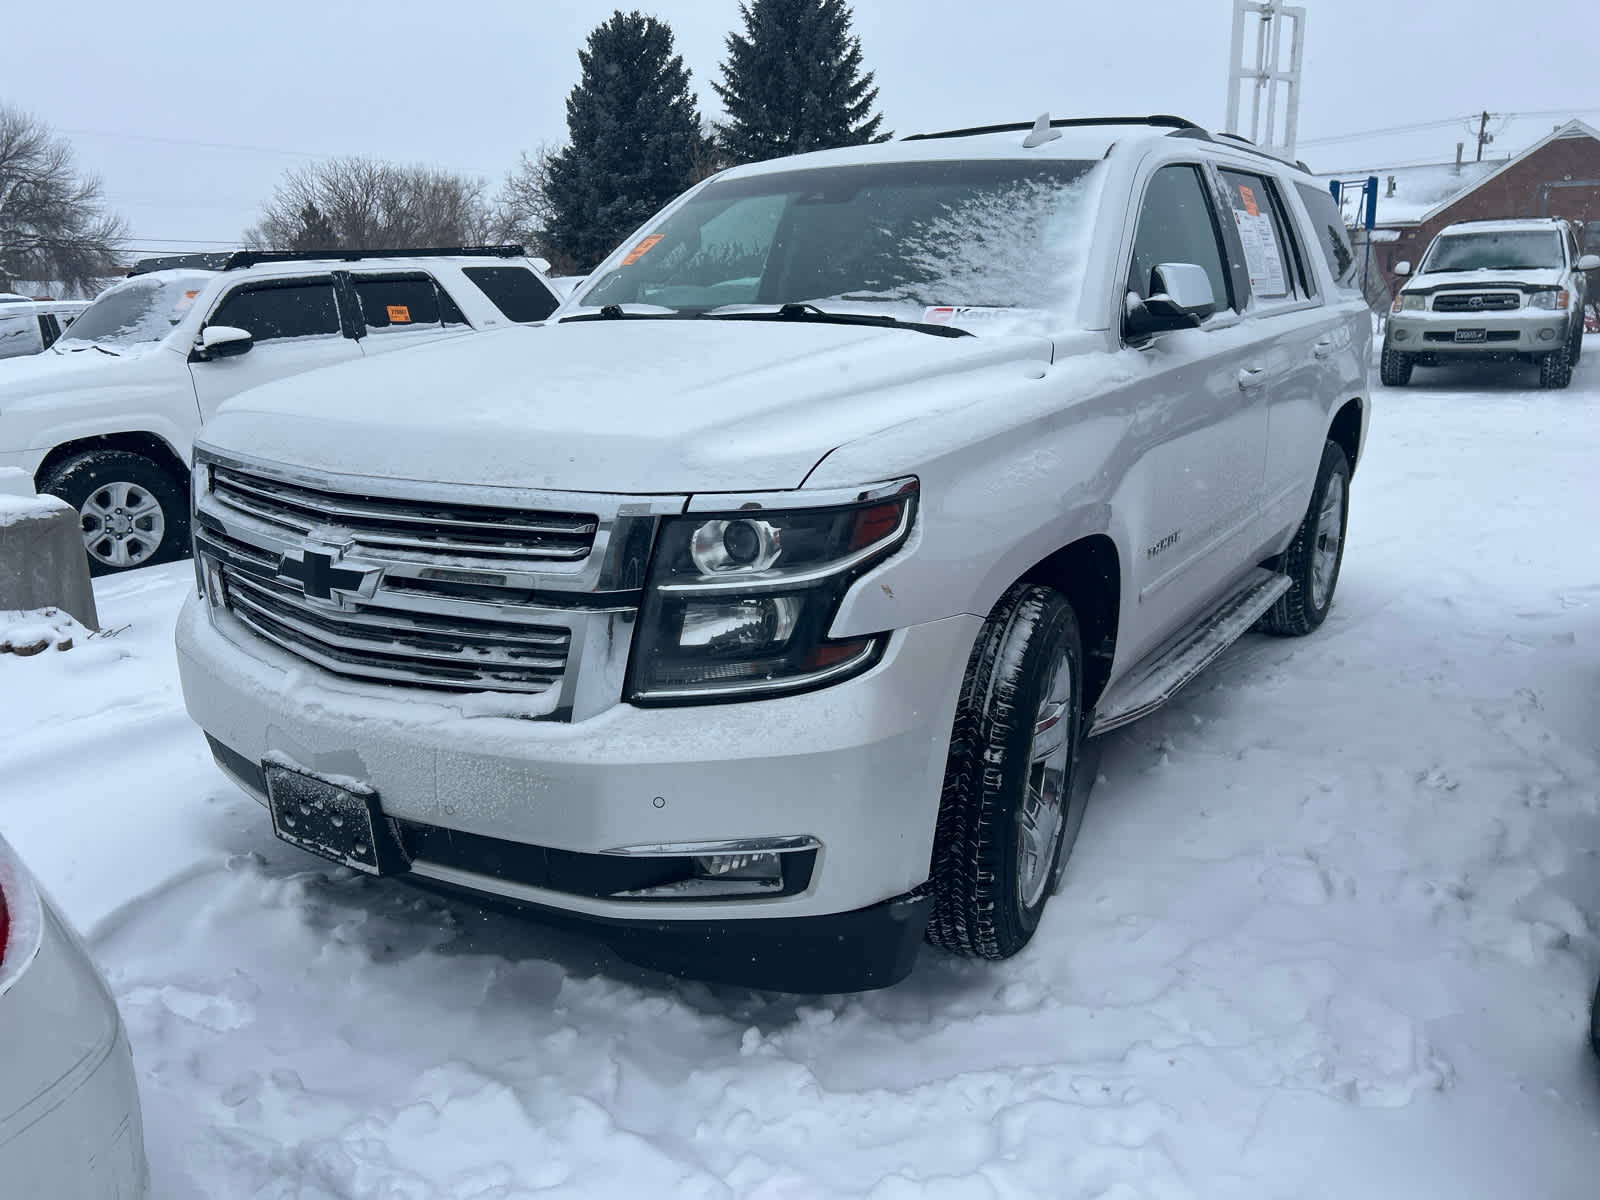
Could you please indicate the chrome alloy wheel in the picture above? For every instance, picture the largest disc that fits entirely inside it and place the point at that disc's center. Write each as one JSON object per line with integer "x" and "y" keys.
{"x": 123, "y": 525}
{"x": 1330, "y": 532}
{"x": 1043, "y": 814}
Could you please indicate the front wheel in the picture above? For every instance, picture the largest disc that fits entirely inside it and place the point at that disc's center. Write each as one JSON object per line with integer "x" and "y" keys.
{"x": 132, "y": 511}
{"x": 1394, "y": 368}
{"x": 1314, "y": 557}
{"x": 1009, "y": 811}
{"x": 1555, "y": 368}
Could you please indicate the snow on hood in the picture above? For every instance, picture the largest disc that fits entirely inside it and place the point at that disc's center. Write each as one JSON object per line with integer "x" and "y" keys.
{"x": 1534, "y": 277}
{"x": 607, "y": 406}
{"x": 43, "y": 377}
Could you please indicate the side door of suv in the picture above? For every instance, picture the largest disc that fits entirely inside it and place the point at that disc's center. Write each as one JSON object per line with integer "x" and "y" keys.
{"x": 295, "y": 325}
{"x": 1192, "y": 493}
{"x": 1303, "y": 340}
{"x": 397, "y": 309}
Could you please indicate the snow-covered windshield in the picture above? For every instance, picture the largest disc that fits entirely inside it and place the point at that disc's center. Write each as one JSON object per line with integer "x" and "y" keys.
{"x": 1513, "y": 251}
{"x": 144, "y": 309}
{"x": 897, "y": 237}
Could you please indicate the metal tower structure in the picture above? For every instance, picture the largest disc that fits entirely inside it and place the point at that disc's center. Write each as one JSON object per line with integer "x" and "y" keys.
{"x": 1265, "y": 73}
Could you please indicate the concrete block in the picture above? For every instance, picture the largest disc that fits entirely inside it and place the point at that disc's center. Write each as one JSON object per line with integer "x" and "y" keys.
{"x": 42, "y": 560}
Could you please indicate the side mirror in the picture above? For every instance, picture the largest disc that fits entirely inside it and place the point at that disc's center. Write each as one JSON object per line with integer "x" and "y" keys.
{"x": 1180, "y": 298}
{"x": 1402, "y": 268}
{"x": 224, "y": 341}
{"x": 1589, "y": 262}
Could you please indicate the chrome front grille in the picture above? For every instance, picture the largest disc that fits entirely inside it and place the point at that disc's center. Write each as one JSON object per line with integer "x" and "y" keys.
{"x": 460, "y": 588}
{"x": 393, "y": 646}
{"x": 1470, "y": 302}
{"x": 421, "y": 530}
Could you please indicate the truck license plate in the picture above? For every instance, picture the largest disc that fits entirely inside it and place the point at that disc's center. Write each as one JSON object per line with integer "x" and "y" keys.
{"x": 337, "y": 819}
{"x": 1471, "y": 335}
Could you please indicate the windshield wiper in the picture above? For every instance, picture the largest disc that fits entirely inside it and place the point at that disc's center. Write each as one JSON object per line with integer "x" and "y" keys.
{"x": 615, "y": 312}
{"x": 821, "y": 316}
{"x": 103, "y": 350}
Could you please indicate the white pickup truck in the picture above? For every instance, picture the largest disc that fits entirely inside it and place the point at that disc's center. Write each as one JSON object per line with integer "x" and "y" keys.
{"x": 762, "y": 608}
{"x": 106, "y": 417}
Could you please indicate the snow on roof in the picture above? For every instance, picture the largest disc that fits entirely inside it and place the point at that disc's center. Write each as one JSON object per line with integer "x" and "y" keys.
{"x": 1422, "y": 191}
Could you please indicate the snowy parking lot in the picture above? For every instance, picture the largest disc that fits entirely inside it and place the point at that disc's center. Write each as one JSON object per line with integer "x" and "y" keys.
{"x": 1329, "y": 929}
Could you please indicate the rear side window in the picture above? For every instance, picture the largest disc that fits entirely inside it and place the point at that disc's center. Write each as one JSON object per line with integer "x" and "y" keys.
{"x": 292, "y": 309}
{"x": 19, "y": 335}
{"x": 1331, "y": 235}
{"x": 399, "y": 302}
{"x": 517, "y": 292}
{"x": 1177, "y": 224}
{"x": 1270, "y": 253}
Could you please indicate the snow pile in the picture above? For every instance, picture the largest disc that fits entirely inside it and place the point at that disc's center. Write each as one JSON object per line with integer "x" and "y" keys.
{"x": 16, "y": 507}
{"x": 1328, "y": 931}
{"x": 32, "y": 631}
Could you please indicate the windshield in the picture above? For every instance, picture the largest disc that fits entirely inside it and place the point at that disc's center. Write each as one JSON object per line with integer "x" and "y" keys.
{"x": 1521, "y": 250}
{"x": 144, "y": 309}
{"x": 903, "y": 238}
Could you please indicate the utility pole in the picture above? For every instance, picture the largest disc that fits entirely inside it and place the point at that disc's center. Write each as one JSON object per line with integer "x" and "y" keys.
{"x": 1266, "y": 74}
{"x": 1484, "y": 136}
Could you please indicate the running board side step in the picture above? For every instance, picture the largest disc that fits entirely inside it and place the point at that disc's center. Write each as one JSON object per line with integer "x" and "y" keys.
{"x": 1156, "y": 680}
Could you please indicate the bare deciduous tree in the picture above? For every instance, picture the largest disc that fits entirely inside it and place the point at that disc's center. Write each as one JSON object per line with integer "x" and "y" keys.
{"x": 365, "y": 204}
{"x": 522, "y": 212}
{"x": 53, "y": 224}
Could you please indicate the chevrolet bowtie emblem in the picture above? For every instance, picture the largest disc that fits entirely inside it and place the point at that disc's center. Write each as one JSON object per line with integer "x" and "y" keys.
{"x": 324, "y": 576}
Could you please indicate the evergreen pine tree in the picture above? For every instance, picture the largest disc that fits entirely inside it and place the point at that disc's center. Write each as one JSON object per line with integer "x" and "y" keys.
{"x": 315, "y": 232}
{"x": 793, "y": 82}
{"x": 636, "y": 140}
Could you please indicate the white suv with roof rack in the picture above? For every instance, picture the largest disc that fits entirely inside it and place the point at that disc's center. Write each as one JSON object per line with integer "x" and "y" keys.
{"x": 106, "y": 419}
{"x": 1512, "y": 288}
{"x": 766, "y": 618}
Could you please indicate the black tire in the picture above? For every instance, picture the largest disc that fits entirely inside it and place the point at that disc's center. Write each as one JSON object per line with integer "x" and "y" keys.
{"x": 158, "y": 529}
{"x": 1394, "y": 368}
{"x": 1577, "y": 340}
{"x": 980, "y": 871}
{"x": 1305, "y": 605}
{"x": 1555, "y": 368}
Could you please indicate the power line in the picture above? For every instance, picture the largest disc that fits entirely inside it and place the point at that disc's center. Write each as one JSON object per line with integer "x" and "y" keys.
{"x": 1422, "y": 126}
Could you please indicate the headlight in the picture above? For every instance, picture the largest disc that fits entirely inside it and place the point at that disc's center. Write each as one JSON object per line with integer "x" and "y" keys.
{"x": 199, "y": 485}
{"x": 1407, "y": 303}
{"x": 739, "y": 604}
{"x": 1556, "y": 301}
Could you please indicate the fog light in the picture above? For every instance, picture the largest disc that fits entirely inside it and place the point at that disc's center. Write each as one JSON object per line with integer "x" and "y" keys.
{"x": 1547, "y": 335}
{"x": 1402, "y": 335}
{"x": 749, "y": 868}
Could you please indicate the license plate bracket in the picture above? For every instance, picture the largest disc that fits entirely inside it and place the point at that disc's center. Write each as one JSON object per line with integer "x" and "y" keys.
{"x": 1472, "y": 335}
{"x": 337, "y": 818}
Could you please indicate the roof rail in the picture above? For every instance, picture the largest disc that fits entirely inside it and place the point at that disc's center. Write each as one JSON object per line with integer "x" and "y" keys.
{"x": 1244, "y": 143}
{"x": 238, "y": 259}
{"x": 1159, "y": 120}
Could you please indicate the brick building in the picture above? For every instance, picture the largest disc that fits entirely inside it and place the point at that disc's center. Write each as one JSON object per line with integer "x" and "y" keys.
{"x": 1556, "y": 177}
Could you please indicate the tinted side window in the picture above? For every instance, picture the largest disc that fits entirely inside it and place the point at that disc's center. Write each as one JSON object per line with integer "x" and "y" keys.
{"x": 1177, "y": 224}
{"x": 19, "y": 335}
{"x": 1331, "y": 235}
{"x": 516, "y": 291}
{"x": 1269, "y": 251}
{"x": 397, "y": 301}
{"x": 296, "y": 308}
{"x": 49, "y": 329}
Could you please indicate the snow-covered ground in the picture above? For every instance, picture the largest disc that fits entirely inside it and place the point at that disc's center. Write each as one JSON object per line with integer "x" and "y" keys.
{"x": 1330, "y": 929}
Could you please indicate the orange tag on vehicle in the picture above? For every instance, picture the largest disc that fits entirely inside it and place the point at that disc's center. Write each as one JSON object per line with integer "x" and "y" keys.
{"x": 1249, "y": 198}
{"x": 644, "y": 247}
{"x": 399, "y": 314}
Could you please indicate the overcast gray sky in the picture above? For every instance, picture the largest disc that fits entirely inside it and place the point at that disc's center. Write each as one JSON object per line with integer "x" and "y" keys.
{"x": 191, "y": 111}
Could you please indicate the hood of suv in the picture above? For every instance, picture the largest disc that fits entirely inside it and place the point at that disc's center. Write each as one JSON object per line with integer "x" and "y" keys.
{"x": 1450, "y": 280}
{"x": 638, "y": 406}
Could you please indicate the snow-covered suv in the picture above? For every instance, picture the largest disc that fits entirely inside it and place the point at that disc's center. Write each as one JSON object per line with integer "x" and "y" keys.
{"x": 763, "y": 615}
{"x": 106, "y": 418}
{"x": 1514, "y": 288}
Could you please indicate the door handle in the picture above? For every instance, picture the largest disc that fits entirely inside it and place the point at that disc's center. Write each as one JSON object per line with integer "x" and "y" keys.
{"x": 1323, "y": 348}
{"x": 1252, "y": 377}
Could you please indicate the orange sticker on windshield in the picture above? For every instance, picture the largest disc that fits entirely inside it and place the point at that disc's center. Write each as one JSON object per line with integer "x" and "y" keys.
{"x": 399, "y": 314}
{"x": 644, "y": 247}
{"x": 1249, "y": 198}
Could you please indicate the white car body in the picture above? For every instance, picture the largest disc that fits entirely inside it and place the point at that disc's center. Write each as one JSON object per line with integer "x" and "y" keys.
{"x": 1166, "y": 468}
{"x": 69, "y": 1106}
{"x": 32, "y": 326}
{"x": 149, "y": 397}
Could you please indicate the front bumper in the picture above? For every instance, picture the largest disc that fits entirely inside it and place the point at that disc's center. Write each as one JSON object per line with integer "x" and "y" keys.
{"x": 857, "y": 767}
{"x": 1526, "y": 331}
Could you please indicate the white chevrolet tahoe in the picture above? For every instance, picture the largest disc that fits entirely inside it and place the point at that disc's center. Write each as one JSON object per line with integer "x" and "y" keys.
{"x": 763, "y": 617}
{"x": 1492, "y": 288}
{"x": 106, "y": 417}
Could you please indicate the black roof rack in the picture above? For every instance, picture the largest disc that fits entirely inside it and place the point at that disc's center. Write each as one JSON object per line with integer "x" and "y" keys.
{"x": 1179, "y": 127}
{"x": 1160, "y": 120}
{"x": 238, "y": 259}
